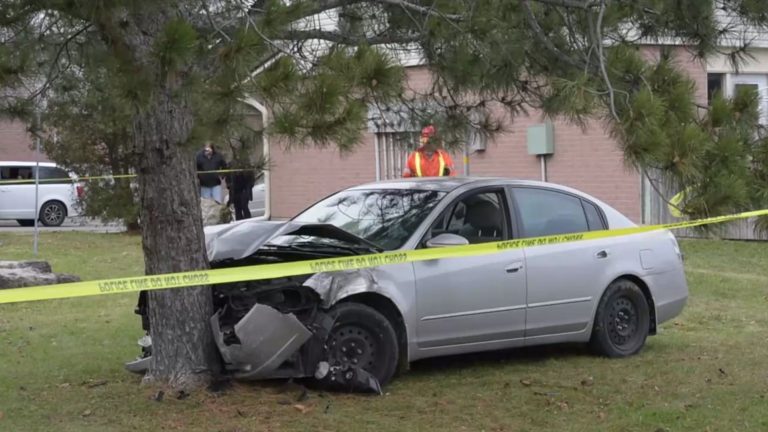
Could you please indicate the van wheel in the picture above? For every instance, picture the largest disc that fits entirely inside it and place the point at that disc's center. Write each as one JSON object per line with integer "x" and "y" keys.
{"x": 26, "y": 222}
{"x": 53, "y": 213}
{"x": 363, "y": 338}
{"x": 622, "y": 320}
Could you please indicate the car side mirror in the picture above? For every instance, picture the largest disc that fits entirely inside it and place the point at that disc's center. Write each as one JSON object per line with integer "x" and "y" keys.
{"x": 447, "y": 240}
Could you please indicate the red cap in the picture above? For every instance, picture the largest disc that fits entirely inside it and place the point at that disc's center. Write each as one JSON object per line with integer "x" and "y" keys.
{"x": 428, "y": 131}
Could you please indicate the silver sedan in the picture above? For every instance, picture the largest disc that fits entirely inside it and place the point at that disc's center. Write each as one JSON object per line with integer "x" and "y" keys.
{"x": 353, "y": 330}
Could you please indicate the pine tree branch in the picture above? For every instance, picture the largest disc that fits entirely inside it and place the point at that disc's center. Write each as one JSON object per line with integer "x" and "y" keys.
{"x": 570, "y": 3}
{"x": 420, "y": 9}
{"x": 542, "y": 37}
{"x": 339, "y": 38}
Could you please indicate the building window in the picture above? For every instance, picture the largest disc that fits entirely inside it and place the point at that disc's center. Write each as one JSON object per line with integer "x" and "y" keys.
{"x": 757, "y": 82}
{"x": 714, "y": 85}
{"x": 392, "y": 150}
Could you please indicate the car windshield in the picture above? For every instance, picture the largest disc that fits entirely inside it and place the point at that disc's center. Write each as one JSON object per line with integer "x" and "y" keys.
{"x": 387, "y": 218}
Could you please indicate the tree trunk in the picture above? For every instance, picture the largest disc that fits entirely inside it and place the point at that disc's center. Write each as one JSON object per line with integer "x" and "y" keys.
{"x": 184, "y": 354}
{"x": 183, "y": 350}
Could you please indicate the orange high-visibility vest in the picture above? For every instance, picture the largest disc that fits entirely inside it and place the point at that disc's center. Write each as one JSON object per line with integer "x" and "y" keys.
{"x": 417, "y": 160}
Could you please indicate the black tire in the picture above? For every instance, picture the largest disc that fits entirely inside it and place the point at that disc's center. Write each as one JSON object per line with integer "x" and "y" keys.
{"x": 26, "y": 222}
{"x": 622, "y": 320}
{"x": 53, "y": 213}
{"x": 369, "y": 337}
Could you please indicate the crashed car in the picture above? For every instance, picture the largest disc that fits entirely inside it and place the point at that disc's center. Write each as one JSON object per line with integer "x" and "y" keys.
{"x": 355, "y": 329}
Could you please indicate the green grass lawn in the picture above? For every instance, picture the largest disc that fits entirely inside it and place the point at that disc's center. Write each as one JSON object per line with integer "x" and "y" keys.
{"x": 61, "y": 366}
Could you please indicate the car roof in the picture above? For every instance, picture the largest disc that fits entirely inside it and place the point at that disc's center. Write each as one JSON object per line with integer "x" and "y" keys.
{"x": 448, "y": 184}
{"x": 27, "y": 163}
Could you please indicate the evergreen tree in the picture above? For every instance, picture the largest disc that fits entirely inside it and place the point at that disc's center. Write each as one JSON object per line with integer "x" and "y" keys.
{"x": 180, "y": 69}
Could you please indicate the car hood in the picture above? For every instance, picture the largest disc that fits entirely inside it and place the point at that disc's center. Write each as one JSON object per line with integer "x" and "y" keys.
{"x": 243, "y": 238}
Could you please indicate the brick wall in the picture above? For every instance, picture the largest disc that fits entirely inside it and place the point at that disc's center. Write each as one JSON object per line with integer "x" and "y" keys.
{"x": 15, "y": 143}
{"x": 301, "y": 176}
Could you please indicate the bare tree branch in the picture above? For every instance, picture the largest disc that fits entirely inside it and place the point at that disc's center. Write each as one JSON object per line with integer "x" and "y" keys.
{"x": 601, "y": 59}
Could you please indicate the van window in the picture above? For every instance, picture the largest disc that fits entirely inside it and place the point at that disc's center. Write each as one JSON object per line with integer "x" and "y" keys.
{"x": 53, "y": 175}
{"x": 48, "y": 175}
{"x": 16, "y": 173}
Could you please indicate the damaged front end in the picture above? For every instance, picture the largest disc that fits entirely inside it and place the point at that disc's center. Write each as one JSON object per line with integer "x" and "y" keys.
{"x": 277, "y": 328}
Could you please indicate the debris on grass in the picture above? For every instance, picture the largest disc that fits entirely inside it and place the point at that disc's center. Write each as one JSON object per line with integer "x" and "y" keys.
{"x": 158, "y": 397}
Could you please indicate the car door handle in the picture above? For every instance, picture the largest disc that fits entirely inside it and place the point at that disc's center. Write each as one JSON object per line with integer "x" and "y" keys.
{"x": 601, "y": 254}
{"x": 514, "y": 268}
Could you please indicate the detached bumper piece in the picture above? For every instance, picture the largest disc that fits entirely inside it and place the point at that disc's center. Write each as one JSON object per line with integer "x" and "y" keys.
{"x": 267, "y": 338}
{"x": 349, "y": 379}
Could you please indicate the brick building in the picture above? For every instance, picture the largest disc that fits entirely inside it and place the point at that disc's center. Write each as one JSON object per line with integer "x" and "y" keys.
{"x": 584, "y": 159}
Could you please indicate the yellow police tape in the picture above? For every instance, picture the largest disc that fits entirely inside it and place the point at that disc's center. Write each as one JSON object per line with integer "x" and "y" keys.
{"x": 270, "y": 271}
{"x": 113, "y": 176}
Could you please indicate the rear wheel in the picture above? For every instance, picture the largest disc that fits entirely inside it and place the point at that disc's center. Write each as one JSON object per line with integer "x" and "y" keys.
{"x": 361, "y": 337}
{"x": 26, "y": 222}
{"x": 622, "y": 320}
{"x": 53, "y": 213}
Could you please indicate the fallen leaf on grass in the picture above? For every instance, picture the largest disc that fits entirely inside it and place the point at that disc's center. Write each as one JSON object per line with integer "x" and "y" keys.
{"x": 302, "y": 408}
{"x": 86, "y": 413}
{"x": 525, "y": 382}
{"x": 1, "y": 415}
{"x": 64, "y": 385}
{"x": 587, "y": 382}
{"x": 563, "y": 405}
{"x": 601, "y": 415}
{"x": 92, "y": 384}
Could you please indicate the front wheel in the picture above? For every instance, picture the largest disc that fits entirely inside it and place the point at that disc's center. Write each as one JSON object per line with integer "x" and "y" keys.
{"x": 622, "y": 320}
{"x": 361, "y": 338}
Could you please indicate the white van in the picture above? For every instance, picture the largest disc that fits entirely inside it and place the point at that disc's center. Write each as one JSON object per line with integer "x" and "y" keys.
{"x": 58, "y": 193}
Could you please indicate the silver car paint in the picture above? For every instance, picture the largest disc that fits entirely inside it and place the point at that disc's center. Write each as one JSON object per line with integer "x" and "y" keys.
{"x": 551, "y": 298}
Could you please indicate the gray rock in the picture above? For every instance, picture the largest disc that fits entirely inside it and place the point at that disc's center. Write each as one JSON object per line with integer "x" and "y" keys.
{"x": 39, "y": 266}
{"x": 18, "y": 274}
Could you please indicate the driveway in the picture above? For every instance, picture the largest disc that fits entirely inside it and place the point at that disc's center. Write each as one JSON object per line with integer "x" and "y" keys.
{"x": 71, "y": 224}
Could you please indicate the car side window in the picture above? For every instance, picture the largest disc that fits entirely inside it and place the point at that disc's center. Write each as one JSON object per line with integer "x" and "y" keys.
{"x": 594, "y": 220}
{"x": 480, "y": 218}
{"x": 546, "y": 212}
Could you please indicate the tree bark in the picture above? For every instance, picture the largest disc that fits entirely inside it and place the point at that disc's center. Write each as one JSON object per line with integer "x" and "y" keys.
{"x": 184, "y": 354}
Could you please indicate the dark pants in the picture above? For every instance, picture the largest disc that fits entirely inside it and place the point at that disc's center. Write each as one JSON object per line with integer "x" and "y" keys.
{"x": 241, "y": 205}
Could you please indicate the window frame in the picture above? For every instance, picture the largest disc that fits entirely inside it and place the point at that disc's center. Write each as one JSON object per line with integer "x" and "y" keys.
{"x": 582, "y": 201}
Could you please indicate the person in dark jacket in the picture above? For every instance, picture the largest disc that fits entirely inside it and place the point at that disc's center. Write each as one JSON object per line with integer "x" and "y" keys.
{"x": 210, "y": 183}
{"x": 240, "y": 184}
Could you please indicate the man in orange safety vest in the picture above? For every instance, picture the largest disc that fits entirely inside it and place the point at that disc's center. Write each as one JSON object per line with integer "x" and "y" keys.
{"x": 429, "y": 160}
